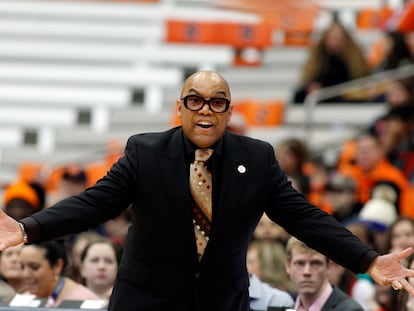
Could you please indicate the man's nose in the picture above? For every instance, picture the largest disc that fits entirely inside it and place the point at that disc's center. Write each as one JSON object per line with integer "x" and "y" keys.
{"x": 307, "y": 268}
{"x": 206, "y": 108}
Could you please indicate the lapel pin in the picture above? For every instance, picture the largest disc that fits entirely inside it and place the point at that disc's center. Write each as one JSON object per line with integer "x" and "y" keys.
{"x": 241, "y": 169}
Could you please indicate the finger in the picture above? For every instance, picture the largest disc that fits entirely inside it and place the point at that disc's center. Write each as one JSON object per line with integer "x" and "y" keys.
{"x": 405, "y": 253}
{"x": 396, "y": 285}
{"x": 407, "y": 286}
{"x": 409, "y": 273}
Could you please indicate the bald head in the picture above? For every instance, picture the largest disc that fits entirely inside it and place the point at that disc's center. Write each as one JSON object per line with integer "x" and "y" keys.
{"x": 200, "y": 77}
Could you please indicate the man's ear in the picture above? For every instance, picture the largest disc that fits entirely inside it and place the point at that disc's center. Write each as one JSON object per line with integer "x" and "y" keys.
{"x": 179, "y": 107}
{"x": 287, "y": 268}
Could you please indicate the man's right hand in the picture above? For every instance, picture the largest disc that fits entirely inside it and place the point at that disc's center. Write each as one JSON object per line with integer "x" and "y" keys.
{"x": 10, "y": 231}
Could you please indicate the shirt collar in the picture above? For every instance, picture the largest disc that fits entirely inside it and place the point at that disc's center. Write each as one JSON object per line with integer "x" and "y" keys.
{"x": 318, "y": 303}
{"x": 190, "y": 148}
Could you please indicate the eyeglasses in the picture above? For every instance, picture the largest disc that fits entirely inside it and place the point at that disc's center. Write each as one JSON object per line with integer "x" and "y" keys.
{"x": 196, "y": 103}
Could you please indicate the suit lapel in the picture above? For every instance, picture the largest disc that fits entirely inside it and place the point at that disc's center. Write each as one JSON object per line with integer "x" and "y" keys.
{"x": 235, "y": 171}
{"x": 175, "y": 178}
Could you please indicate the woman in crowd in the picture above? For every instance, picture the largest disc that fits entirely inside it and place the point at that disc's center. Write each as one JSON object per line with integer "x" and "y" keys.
{"x": 11, "y": 268}
{"x": 99, "y": 265}
{"x": 400, "y": 234}
{"x": 79, "y": 243}
{"x": 44, "y": 274}
{"x": 335, "y": 58}
{"x": 266, "y": 260}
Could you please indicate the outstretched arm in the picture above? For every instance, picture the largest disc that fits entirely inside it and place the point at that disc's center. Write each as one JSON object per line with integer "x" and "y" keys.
{"x": 387, "y": 270}
{"x": 10, "y": 231}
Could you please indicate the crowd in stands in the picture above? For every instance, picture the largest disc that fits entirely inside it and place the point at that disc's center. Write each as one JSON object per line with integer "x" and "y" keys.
{"x": 370, "y": 190}
{"x": 77, "y": 268}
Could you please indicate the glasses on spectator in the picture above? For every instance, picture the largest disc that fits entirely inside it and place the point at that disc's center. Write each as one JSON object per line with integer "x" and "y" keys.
{"x": 196, "y": 103}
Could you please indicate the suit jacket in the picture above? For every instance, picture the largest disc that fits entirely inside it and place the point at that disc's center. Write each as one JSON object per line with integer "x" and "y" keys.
{"x": 159, "y": 269}
{"x": 339, "y": 301}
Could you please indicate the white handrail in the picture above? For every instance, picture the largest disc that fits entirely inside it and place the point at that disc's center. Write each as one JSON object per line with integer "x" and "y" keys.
{"x": 313, "y": 98}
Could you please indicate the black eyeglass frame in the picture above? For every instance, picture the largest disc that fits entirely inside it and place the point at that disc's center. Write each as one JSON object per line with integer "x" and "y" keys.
{"x": 205, "y": 102}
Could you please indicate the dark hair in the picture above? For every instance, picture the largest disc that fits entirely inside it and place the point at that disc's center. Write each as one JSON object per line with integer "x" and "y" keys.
{"x": 399, "y": 220}
{"x": 54, "y": 250}
{"x": 404, "y": 113}
{"x": 398, "y": 52}
{"x": 102, "y": 240}
{"x": 41, "y": 193}
{"x": 298, "y": 148}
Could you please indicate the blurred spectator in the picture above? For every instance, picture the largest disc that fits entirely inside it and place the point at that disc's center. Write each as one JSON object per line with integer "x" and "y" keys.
{"x": 386, "y": 298}
{"x": 263, "y": 296}
{"x": 292, "y": 155}
{"x": 395, "y": 51}
{"x": 44, "y": 274}
{"x": 397, "y": 139}
{"x": 116, "y": 229}
{"x": 11, "y": 268}
{"x": 372, "y": 168}
{"x": 362, "y": 290}
{"x": 6, "y": 293}
{"x": 405, "y": 302}
{"x": 99, "y": 266}
{"x": 341, "y": 193}
{"x": 378, "y": 214}
{"x": 335, "y": 58}
{"x": 266, "y": 261}
{"x": 397, "y": 93}
{"x": 22, "y": 199}
{"x": 400, "y": 92}
{"x": 319, "y": 174}
{"x": 72, "y": 181}
{"x": 76, "y": 248}
{"x": 341, "y": 277}
{"x": 400, "y": 234}
{"x": 409, "y": 41}
{"x": 309, "y": 271}
{"x": 268, "y": 230}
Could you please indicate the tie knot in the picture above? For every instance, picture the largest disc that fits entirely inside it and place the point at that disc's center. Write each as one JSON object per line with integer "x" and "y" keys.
{"x": 203, "y": 154}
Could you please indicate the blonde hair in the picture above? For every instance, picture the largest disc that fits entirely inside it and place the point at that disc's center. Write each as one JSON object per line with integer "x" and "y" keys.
{"x": 271, "y": 256}
{"x": 294, "y": 243}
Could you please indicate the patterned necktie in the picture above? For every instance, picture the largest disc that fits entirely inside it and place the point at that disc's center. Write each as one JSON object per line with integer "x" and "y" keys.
{"x": 201, "y": 186}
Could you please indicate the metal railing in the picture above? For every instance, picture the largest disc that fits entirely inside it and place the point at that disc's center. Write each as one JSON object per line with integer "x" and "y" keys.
{"x": 312, "y": 99}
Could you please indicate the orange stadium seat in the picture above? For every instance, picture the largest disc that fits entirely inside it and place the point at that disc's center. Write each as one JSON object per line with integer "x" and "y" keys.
{"x": 371, "y": 18}
{"x": 261, "y": 113}
{"x": 242, "y": 35}
{"x": 186, "y": 31}
{"x": 238, "y": 35}
{"x": 297, "y": 38}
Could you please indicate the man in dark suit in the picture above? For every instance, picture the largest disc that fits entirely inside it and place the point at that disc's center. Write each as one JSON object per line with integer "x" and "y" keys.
{"x": 309, "y": 271}
{"x": 160, "y": 269}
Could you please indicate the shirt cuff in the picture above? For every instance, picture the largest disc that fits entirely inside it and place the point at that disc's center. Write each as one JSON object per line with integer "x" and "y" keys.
{"x": 367, "y": 259}
{"x": 32, "y": 229}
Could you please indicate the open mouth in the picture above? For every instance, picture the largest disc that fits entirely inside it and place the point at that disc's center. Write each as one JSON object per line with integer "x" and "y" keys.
{"x": 204, "y": 125}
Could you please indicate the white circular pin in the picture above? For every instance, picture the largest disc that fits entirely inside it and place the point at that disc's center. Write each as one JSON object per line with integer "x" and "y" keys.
{"x": 241, "y": 169}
